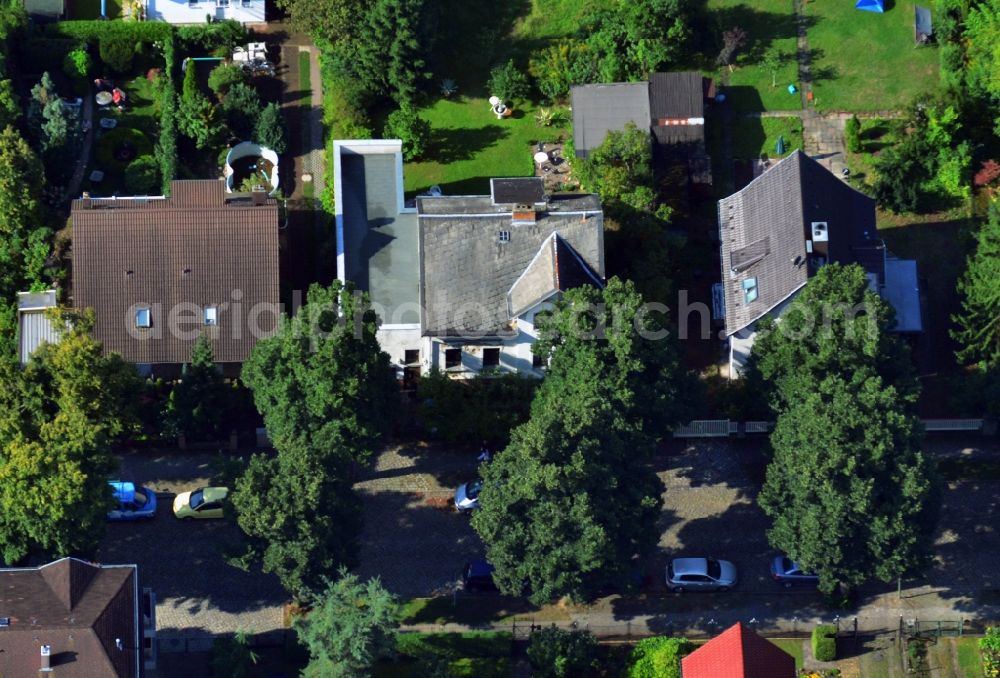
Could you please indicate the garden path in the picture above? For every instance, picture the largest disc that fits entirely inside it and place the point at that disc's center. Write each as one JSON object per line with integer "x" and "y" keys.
{"x": 73, "y": 187}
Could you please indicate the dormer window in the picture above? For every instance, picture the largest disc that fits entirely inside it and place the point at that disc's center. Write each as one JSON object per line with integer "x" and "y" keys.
{"x": 750, "y": 290}
{"x": 211, "y": 315}
{"x": 503, "y": 236}
{"x": 143, "y": 318}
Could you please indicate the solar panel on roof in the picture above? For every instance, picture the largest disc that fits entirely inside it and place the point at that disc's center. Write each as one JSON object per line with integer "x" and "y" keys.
{"x": 524, "y": 190}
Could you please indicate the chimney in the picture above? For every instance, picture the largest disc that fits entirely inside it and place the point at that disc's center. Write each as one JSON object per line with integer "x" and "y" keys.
{"x": 46, "y": 656}
{"x": 86, "y": 200}
{"x": 258, "y": 196}
{"x": 523, "y": 214}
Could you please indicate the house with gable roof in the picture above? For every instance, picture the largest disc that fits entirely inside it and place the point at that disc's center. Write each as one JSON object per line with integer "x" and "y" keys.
{"x": 457, "y": 281}
{"x": 780, "y": 229}
{"x": 738, "y": 652}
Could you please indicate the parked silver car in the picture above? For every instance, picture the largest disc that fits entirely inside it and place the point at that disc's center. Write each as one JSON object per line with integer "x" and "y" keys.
{"x": 700, "y": 574}
{"x": 789, "y": 573}
{"x": 467, "y": 496}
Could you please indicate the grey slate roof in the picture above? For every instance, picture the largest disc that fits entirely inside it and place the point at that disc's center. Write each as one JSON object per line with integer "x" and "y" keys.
{"x": 599, "y": 109}
{"x": 517, "y": 190}
{"x": 555, "y": 268}
{"x": 676, "y": 95}
{"x": 763, "y": 231}
{"x": 467, "y": 272}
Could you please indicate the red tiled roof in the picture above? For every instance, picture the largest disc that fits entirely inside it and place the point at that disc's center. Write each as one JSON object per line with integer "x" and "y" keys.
{"x": 180, "y": 254}
{"x": 738, "y": 652}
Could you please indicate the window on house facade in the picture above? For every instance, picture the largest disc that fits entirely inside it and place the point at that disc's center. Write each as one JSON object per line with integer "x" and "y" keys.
{"x": 143, "y": 318}
{"x": 211, "y": 315}
{"x": 750, "y": 290}
{"x": 491, "y": 358}
{"x": 452, "y": 358}
{"x": 411, "y": 356}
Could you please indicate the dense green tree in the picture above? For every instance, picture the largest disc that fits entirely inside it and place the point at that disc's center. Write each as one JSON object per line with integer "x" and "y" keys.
{"x": 55, "y": 126}
{"x": 117, "y": 53}
{"x": 224, "y": 76}
{"x": 24, "y": 238}
{"x": 621, "y": 169}
{"x": 836, "y": 326}
{"x": 850, "y": 493}
{"x": 558, "y": 67}
{"x": 270, "y": 129}
{"x": 322, "y": 381}
{"x": 508, "y": 83}
{"x": 327, "y": 21}
{"x": 78, "y": 63}
{"x": 300, "y": 516}
{"x": 199, "y": 120}
{"x": 555, "y": 653}
{"x": 58, "y": 417}
{"x": 10, "y": 106}
{"x": 658, "y": 657}
{"x": 470, "y": 411}
{"x": 405, "y": 124}
{"x": 196, "y": 404}
{"x": 571, "y": 504}
{"x": 978, "y": 323}
{"x": 242, "y": 108}
{"x": 982, "y": 40}
{"x": 142, "y": 176}
{"x": 389, "y": 58}
{"x": 43, "y": 92}
{"x": 352, "y": 625}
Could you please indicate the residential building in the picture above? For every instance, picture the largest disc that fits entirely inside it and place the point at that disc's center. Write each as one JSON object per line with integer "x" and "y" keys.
{"x": 738, "y": 652}
{"x": 45, "y": 10}
{"x": 161, "y": 271}
{"x": 75, "y": 618}
{"x": 198, "y": 11}
{"x": 34, "y": 327}
{"x": 458, "y": 280}
{"x": 780, "y": 229}
{"x": 670, "y": 105}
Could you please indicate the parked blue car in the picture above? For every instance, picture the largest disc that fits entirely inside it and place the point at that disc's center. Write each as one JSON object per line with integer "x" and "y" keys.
{"x": 131, "y": 502}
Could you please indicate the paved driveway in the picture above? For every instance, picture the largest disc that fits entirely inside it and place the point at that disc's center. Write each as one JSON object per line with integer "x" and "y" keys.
{"x": 197, "y": 592}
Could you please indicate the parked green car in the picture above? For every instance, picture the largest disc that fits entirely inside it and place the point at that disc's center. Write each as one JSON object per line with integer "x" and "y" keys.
{"x": 205, "y": 502}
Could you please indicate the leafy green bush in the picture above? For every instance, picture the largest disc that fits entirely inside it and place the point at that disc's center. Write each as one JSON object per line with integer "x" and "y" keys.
{"x": 555, "y": 653}
{"x": 824, "y": 642}
{"x": 225, "y": 76}
{"x": 142, "y": 176}
{"x": 989, "y": 647}
{"x": 270, "y": 130}
{"x": 658, "y": 657}
{"x": 111, "y": 147}
{"x": 479, "y": 644}
{"x": 414, "y": 131}
{"x": 852, "y": 134}
{"x": 78, "y": 63}
{"x": 241, "y": 107}
{"x": 117, "y": 54}
{"x": 508, "y": 83}
{"x": 211, "y": 36}
{"x": 558, "y": 67}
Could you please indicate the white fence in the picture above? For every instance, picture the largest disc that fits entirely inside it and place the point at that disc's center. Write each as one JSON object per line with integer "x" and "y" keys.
{"x": 723, "y": 428}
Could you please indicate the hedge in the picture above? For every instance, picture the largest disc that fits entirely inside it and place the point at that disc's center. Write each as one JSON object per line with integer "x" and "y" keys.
{"x": 124, "y": 31}
{"x": 166, "y": 149}
{"x": 658, "y": 657}
{"x": 824, "y": 643}
{"x": 477, "y": 644}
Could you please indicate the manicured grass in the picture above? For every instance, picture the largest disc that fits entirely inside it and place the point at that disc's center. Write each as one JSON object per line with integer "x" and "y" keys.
{"x": 468, "y": 667}
{"x": 967, "y": 651}
{"x": 305, "y": 75}
{"x": 474, "y": 653}
{"x": 753, "y": 137}
{"x": 469, "y": 146}
{"x": 792, "y": 646}
{"x": 768, "y": 23}
{"x": 865, "y": 61}
{"x": 475, "y": 610}
{"x": 91, "y": 9}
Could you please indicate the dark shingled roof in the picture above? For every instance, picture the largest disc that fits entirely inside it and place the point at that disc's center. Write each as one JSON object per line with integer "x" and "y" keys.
{"x": 467, "y": 273}
{"x": 76, "y": 608}
{"x": 738, "y": 652}
{"x": 764, "y": 227}
{"x": 676, "y": 95}
{"x": 555, "y": 268}
{"x": 520, "y": 190}
{"x": 195, "y": 248}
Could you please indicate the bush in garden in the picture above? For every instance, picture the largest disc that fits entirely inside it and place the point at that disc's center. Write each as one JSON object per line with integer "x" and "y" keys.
{"x": 508, "y": 83}
{"x": 414, "y": 131}
{"x": 555, "y": 653}
{"x": 225, "y": 76}
{"x": 142, "y": 176}
{"x": 824, "y": 642}
{"x": 117, "y": 54}
{"x": 270, "y": 130}
{"x": 852, "y": 134}
{"x": 78, "y": 63}
{"x": 241, "y": 108}
{"x": 658, "y": 657}
{"x": 989, "y": 647}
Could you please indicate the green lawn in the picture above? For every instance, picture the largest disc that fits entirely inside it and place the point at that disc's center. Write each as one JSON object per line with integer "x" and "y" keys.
{"x": 792, "y": 646}
{"x": 305, "y": 74}
{"x": 469, "y": 146}
{"x": 768, "y": 23}
{"x": 553, "y": 19}
{"x": 967, "y": 651}
{"x": 865, "y": 61}
{"x": 483, "y": 610}
{"x": 477, "y": 654}
{"x": 753, "y": 137}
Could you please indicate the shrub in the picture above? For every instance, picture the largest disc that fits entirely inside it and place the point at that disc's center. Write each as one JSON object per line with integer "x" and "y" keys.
{"x": 989, "y": 647}
{"x": 78, "y": 63}
{"x": 241, "y": 108}
{"x": 558, "y": 67}
{"x": 508, "y": 83}
{"x": 658, "y": 657}
{"x": 142, "y": 176}
{"x": 211, "y": 36}
{"x": 270, "y": 130}
{"x": 555, "y": 653}
{"x": 988, "y": 173}
{"x": 414, "y": 131}
{"x": 117, "y": 54}
{"x": 852, "y": 134}
{"x": 824, "y": 642}
{"x": 225, "y": 76}
{"x": 119, "y": 147}
{"x": 232, "y": 657}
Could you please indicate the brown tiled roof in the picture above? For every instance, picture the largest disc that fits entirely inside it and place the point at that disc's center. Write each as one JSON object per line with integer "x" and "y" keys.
{"x": 194, "y": 248}
{"x": 79, "y": 610}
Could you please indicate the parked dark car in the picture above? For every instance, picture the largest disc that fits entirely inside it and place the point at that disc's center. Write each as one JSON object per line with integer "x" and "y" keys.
{"x": 788, "y": 573}
{"x": 477, "y": 575}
